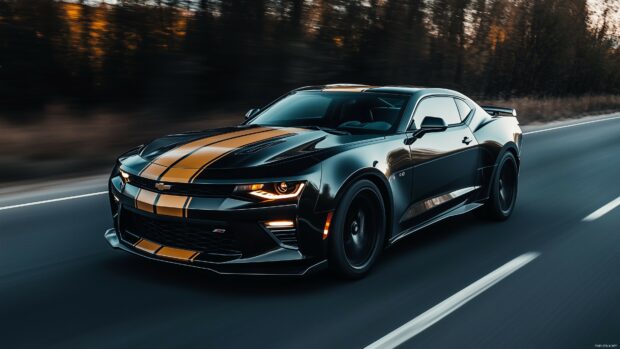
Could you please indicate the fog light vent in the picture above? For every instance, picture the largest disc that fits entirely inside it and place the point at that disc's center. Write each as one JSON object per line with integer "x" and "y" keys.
{"x": 283, "y": 230}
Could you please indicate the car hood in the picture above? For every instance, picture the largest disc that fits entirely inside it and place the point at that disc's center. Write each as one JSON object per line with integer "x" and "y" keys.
{"x": 186, "y": 157}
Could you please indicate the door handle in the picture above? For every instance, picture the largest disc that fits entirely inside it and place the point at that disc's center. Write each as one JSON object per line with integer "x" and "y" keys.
{"x": 467, "y": 140}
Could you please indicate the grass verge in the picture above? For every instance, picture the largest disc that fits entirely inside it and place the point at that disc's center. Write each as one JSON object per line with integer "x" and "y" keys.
{"x": 542, "y": 110}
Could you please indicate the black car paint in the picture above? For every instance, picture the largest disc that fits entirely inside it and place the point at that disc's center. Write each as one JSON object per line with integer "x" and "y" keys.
{"x": 409, "y": 176}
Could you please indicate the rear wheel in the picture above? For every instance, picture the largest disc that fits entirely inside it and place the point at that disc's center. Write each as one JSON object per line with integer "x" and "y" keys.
{"x": 358, "y": 230}
{"x": 504, "y": 185}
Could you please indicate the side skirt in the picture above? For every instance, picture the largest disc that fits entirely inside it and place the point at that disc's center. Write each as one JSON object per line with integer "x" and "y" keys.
{"x": 455, "y": 211}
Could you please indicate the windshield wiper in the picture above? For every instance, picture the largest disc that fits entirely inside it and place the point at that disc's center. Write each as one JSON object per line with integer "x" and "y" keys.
{"x": 327, "y": 129}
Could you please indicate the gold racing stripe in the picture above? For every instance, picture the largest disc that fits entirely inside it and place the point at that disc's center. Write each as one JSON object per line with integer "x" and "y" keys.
{"x": 166, "y": 251}
{"x": 153, "y": 171}
{"x": 145, "y": 200}
{"x": 186, "y": 207}
{"x": 172, "y": 205}
{"x": 191, "y": 166}
{"x": 177, "y": 253}
{"x": 157, "y": 167}
{"x": 162, "y": 204}
{"x": 147, "y": 246}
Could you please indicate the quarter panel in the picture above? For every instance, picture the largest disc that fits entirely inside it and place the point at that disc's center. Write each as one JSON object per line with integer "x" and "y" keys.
{"x": 495, "y": 136}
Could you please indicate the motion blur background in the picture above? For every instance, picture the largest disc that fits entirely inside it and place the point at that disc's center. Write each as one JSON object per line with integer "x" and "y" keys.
{"x": 81, "y": 81}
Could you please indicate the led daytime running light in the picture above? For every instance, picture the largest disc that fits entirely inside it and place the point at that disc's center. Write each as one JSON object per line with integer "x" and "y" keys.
{"x": 271, "y": 196}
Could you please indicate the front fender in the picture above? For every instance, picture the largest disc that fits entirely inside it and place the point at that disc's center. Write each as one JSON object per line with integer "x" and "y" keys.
{"x": 387, "y": 164}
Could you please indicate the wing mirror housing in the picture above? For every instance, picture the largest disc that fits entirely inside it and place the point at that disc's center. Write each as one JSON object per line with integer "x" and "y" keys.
{"x": 429, "y": 124}
{"x": 252, "y": 112}
{"x": 433, "y": 124}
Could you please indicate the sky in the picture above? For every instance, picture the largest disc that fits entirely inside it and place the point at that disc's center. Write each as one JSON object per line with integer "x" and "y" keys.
{"x": 597, "y": 7}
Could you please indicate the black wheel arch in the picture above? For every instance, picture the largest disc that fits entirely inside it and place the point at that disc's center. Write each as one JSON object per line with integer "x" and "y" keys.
{"x": 379, "y": 179}
{"x": 508, "y": 147}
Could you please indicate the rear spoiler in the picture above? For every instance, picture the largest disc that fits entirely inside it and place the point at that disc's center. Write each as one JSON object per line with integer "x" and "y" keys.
{"x": 498, "y": 111}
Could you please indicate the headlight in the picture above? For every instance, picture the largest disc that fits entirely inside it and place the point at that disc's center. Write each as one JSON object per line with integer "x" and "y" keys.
{"x": 272, "y": 191}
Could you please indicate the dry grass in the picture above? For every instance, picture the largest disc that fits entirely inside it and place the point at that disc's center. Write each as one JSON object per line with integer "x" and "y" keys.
{"x": 541, "y": 110}
{"x": 62, "y": 144}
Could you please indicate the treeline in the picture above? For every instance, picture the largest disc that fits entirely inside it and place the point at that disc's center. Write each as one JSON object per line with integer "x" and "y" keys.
{"x": 204, "y": 53}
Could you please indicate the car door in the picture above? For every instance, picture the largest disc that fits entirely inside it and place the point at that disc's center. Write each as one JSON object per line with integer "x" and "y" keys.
{"x": 444, "y": 163}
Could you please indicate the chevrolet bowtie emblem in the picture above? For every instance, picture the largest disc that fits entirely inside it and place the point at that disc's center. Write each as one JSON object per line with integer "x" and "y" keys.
{"x": 162, "y": 186}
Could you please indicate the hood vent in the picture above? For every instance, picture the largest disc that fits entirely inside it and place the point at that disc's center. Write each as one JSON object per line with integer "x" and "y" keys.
{"x": 255, "y": 148}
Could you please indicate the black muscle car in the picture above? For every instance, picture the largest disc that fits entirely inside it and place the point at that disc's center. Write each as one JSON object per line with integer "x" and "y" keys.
{"x": 324, "y": 176}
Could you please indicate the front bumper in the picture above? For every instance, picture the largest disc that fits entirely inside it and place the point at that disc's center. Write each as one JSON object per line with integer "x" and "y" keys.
{"x": 277, "y": 262}
{"x": 221, "y": 234}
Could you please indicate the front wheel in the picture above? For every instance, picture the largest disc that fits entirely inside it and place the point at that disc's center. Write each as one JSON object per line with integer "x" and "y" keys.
{"x": 504, "y": 185}
{"x": 358, "y": 230}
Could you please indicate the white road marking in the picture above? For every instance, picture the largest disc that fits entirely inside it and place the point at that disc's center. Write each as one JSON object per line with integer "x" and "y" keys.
{"x": 52, "y": 200}
{"x": 445, "y": 308}
{"x": 571, "y": 125}
{"x": 603, "y": 210}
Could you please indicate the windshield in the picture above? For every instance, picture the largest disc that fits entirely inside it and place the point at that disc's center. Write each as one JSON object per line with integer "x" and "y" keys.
{"x": 365, "y": 112}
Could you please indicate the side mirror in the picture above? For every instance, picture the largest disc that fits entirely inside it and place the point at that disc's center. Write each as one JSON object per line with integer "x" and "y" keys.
{"x": 433, "y": 124}
{"x": 429, "y": 124}
{"x": 252, "y": 112}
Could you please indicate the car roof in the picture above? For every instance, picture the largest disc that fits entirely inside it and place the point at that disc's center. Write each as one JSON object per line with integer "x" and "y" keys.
{"x": 396, "y": 89}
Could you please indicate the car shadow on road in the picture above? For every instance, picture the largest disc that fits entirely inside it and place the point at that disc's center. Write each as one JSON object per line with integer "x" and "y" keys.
{"x": 156, "y": 272}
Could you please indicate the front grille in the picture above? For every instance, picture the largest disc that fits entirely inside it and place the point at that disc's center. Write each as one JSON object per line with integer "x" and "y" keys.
{"x": 192, "y": 236}
{"x": 189, "y": 189}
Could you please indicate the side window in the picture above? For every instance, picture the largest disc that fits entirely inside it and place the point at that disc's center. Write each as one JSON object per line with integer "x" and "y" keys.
{"x": 439, "y": 107}
{"x": 464, "y": 109}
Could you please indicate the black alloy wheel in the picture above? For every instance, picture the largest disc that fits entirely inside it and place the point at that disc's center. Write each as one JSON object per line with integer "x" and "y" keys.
{"x": 358, "y": 230}
{"x": 503, "y": 195}
{"x": 507, "y": 186}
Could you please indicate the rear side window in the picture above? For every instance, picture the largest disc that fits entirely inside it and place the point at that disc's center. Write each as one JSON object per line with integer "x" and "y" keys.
{"x": 463, "y": 107}
{"x": 439, "y": 107}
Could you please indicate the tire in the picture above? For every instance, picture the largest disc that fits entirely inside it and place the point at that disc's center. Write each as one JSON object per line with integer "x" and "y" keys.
{"x": 358, "y": 230}
{"x": 504, "y": 187}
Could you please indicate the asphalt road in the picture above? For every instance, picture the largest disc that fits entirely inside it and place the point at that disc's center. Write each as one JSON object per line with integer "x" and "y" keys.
{"x": 61, "y": 286}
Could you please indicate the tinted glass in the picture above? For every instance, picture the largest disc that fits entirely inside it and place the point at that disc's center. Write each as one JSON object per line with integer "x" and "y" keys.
{"x": 463, "y": 107}
{"x": 362, "y": 112}
{"x": 439, "y": 107}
